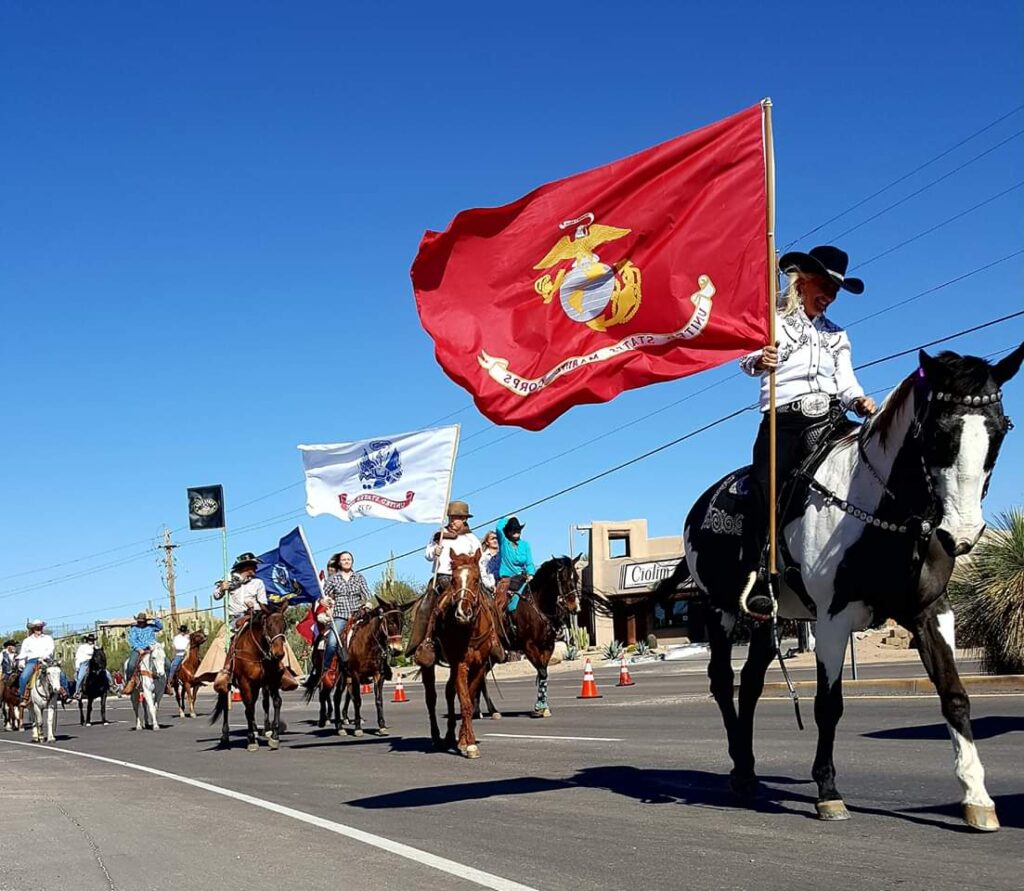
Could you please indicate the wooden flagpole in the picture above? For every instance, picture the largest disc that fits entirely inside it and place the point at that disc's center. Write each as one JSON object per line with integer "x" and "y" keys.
{"x": 447, "y": 501}
{"x": 773, "y": 279}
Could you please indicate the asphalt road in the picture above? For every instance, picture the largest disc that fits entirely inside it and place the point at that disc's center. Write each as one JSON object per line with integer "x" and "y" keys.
{"x": 636, "y": 797}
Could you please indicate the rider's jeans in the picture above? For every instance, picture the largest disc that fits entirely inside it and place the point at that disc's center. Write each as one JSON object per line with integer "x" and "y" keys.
{"x": 331, "y": 647}
{"x": 175, "y": 665}
{"x": 26, "y": 674}
{"x": 83, "y": 670}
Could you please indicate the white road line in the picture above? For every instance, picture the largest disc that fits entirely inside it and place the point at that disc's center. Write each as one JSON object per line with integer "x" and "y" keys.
{"x": 573, "y": 738}
{"x": 443, "y": 864}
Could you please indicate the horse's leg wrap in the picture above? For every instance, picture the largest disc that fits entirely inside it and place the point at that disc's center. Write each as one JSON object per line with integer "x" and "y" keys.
{"x": 542, "y": 690}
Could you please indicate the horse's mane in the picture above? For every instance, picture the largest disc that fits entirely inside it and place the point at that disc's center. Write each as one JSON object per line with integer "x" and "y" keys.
{"x": 881, "y": 425}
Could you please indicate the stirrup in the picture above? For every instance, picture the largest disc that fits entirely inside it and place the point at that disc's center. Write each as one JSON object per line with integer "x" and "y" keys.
{"x": 761, "y": 607}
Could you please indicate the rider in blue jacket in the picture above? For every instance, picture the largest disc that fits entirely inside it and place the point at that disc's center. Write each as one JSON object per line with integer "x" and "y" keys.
{"x": 514, "y": 554}
{"x": 141, "y": 637}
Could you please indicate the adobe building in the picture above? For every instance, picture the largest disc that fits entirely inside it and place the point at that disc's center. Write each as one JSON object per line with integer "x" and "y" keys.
{"x": 624, "y": 565}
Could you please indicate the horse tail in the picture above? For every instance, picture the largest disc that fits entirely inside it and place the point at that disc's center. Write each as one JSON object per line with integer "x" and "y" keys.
{"x": 666, "y": 588}
{"x": 220, "y": 708}
{"x": 310, "y": 691}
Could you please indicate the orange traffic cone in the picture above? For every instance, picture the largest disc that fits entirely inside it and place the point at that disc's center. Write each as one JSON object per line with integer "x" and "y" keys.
{"x": 589, "y": 690}
{"x": 399, "y": 691}
{"x": 365, "y": 688}
{"x": 236, "y": 696}
{"x": 624, "y": 679}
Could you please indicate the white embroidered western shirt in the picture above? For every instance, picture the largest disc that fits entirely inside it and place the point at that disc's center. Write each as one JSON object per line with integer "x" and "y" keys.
{"x": 33, "y": 647}
{"x": 814, "y": 357}
{"x": 83, "y": 654}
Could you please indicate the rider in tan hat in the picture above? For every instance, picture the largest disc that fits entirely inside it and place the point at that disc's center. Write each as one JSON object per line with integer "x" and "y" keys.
{"x": 455, "y": 538}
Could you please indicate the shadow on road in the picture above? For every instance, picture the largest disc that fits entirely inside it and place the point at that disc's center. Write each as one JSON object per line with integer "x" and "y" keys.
{"x": 694, "y": 788}
{"x": 984, "y": 728}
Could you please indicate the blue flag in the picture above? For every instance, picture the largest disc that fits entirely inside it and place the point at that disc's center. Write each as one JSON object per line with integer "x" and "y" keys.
{"x": 289, "y": 572}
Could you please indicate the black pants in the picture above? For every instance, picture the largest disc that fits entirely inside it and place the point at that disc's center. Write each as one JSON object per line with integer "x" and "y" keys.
{"x": 796, "y": 436}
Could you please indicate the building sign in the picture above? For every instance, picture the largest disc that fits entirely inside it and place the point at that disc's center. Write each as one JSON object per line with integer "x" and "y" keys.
{"x": 638, "y": 576}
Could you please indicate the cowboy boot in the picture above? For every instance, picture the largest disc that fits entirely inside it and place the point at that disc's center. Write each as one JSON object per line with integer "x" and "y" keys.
{"x": 498, "y": 654}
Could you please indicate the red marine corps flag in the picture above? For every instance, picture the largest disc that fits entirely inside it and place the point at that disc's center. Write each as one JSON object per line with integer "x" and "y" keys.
{"x": 644, "y": 270}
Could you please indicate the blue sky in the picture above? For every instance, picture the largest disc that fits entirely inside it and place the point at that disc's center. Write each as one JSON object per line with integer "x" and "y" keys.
{"x": 210, "y": 210}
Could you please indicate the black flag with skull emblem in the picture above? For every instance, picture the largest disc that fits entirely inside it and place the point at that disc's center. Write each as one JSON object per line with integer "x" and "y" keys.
{"x": 206, "y": 507}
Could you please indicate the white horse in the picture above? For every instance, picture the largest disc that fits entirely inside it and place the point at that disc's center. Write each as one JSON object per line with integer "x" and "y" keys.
{"x": 45, "y": 693}
{"x": 150, "y": 689}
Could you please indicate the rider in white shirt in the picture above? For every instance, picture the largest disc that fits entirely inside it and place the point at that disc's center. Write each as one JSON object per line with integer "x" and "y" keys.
{"x": 181, "y": 644}
{"x": 815, "y": 384}
{"x": 35, "y": 648}
{"x": 82, "y": 657}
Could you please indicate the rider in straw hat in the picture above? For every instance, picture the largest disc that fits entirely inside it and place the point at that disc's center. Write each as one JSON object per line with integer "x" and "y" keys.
{"x": 35, "y": 648}
{"x": 815, "y": 385}
{"x": 141, "y": 637}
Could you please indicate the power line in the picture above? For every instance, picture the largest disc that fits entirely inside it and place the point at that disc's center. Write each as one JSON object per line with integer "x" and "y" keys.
{"x": 906, "y": 176}
{"x": 933, "y": 289}
{"x": 927, "y": 186}
{"x": 937, "y": 226}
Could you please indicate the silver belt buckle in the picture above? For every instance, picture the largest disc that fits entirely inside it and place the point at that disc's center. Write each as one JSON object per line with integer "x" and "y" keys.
{"x": 814, "y": 405}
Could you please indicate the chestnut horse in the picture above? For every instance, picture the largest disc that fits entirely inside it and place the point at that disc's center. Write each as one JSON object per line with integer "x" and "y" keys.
{"x": 185, "y": 686}
{"x": 257, "y": 662}
{"x": 464, "y": 629}
{"x": 10, "y": 702}
{"x": 548, "y": 606}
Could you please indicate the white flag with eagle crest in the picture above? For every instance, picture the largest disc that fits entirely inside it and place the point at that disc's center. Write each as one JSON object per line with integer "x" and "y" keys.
{"x": 403, "y": 477}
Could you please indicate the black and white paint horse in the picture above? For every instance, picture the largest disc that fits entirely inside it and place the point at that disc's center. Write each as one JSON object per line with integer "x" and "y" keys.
{"x": 869, "y": 533}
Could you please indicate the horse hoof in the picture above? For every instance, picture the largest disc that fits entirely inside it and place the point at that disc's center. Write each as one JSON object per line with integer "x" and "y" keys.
{"x": 357, "y": 732}
{"x": 321, "y": 723}
{"x": 471, "y": 751}
{"x": 981, "y": 817}
{"x": 832, "y": 811}
{"x": 745, "y": 788}
{"x": 88, "y": 723}
{"x": 541, "y": 713}
{"x": 252, "y": 747}
{"x": 273, "y": 744}
{"x": 340, "y": 731}
{"x": 496, "y": 716}
{"x": 382, "y": 731}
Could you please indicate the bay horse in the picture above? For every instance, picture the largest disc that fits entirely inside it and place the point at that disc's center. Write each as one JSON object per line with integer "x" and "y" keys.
{"x": 376, "y": 636}
{"x": 95, "y": 685}
{"x": 464, "y": 628}
{"x": 870, "y": 530}
{"x": 10, "y": 702}
{"x": 184, "y": 685}
{"x": 549, "y": 605}
{"x": 257, "y": 663}
{"x": 45, "y": 692}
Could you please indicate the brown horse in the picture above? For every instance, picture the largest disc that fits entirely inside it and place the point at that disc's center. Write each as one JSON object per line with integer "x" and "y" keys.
{"x": 10, "y": 703}
{"x": 549, "y": 604}
{"x": 185, "y": 686}
{"x": 257, "y": 661}
{"x": 465, "y": 629}
{"x": 376, "y": 636}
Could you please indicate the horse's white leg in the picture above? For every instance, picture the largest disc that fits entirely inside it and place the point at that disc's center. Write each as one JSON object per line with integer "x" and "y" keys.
{"x": 37, "y": 722}
{"x": 833, "y": 634}
{"x": 152, "y": 707}
{"x": 937, "y": 646}
{"x": 51, "y": 722}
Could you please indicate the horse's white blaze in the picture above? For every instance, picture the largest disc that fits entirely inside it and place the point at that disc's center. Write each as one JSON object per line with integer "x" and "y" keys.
{"x": 969, "y": 771}
{"x": 947, "y": 628}
{"x": 960, "y": 486}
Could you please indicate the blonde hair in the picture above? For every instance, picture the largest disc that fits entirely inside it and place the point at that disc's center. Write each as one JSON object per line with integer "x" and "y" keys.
{"x": 790, "y": 299}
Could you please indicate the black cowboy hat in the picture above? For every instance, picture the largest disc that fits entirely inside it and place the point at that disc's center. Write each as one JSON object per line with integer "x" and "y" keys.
{"x": 142, "y": 617}
{"x": 825, "y": 260}
{"x": 513, "y": 526}
{"x": 10, "y": 643}
{"x": 246, "y": 559}
{"x": 183, "y": 629}
{"x": 89, "y": 636}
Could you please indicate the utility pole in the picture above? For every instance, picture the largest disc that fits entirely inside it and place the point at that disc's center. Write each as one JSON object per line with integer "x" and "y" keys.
{"x": 169, "y": 564}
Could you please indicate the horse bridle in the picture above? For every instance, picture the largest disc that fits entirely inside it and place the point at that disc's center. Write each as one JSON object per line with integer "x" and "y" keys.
{"x": 920, "y": 524}
{"x": 458, "y": 595}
